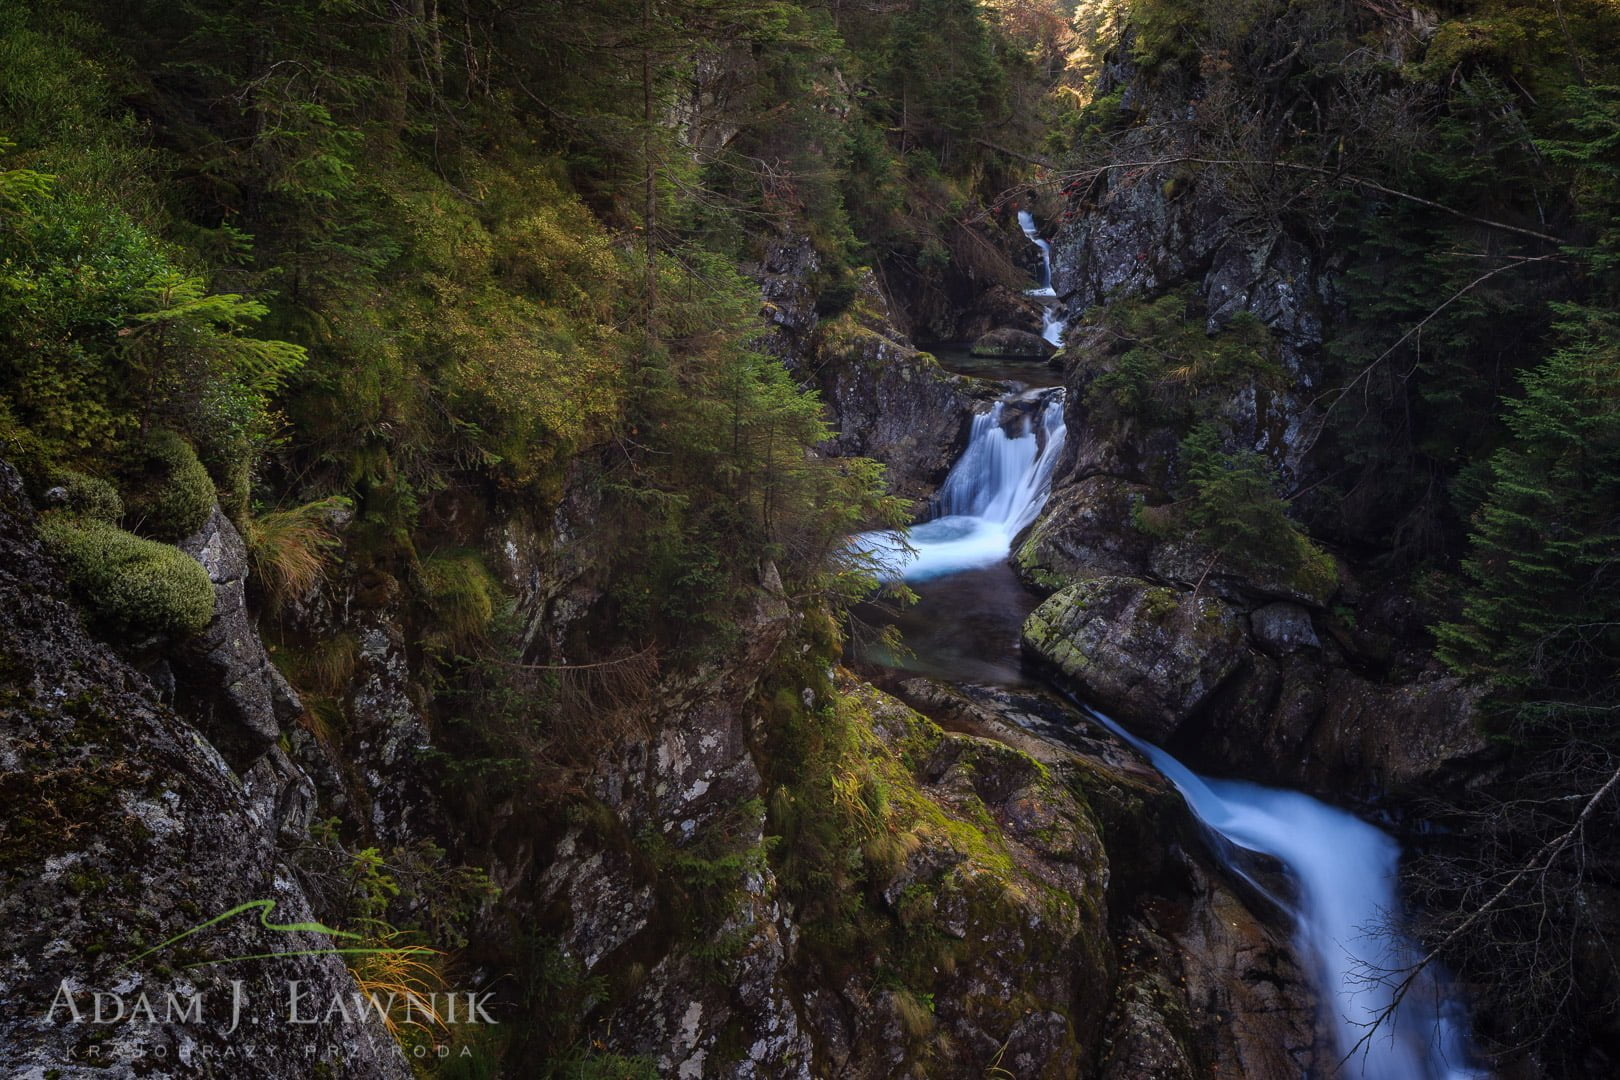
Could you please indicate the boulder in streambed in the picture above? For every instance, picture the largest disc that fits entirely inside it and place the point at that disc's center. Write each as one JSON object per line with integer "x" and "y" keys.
{"x": 1151, "y": 655}
{"x": 1009, "y": 343}
{"x": 1000, "y": 306}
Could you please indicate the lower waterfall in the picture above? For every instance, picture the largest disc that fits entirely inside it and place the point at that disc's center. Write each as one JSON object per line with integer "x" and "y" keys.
{"x": 1346, "y": 919}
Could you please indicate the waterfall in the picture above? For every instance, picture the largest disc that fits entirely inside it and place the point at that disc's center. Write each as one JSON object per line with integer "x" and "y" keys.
{"x": 1051, "y": 325}
{"x": 995, "y": 489}
{"x": 1346, "y": 919}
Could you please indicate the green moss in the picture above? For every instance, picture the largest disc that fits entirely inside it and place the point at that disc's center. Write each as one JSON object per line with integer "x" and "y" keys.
{"x": 171, "y": 494}
{"x": 134, "y": 585}
{"x": 90, "y": 496}
{"x": 462, "y": 595}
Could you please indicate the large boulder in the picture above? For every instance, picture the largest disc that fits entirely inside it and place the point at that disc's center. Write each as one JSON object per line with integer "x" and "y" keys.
{"x": 1013, "y": 344}
{"x": 1000, "y": 306}
{"x": 1088, "y": 528}
{"x": 1149, "y": 655}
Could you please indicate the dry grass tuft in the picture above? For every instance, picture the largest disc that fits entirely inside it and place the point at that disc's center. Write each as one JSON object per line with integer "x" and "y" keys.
{"x": 291, "y": 548}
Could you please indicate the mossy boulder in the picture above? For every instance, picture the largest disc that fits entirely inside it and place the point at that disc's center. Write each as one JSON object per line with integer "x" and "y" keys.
{"x": 984, "y": 883}
{"x": 1088, "y": 527}
{"x": 170, "y": 493}
{"x": 1010, "y": 343}
{"x": 136, "y": 586}
{"x": 1150, "y": 655}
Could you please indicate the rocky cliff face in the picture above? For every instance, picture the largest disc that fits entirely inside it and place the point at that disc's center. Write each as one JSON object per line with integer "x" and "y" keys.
{"x": 886, "y": 399}
{"x": 1300, "y": 680}
{"x": 126, "y": 827}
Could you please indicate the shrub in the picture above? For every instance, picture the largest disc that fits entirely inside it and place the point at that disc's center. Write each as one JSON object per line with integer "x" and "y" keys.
{"x": 1232, "y": 502}
{"x": 130, "y": 583}
{"x": 90, "y": 496}
{"x": 172, "y": 495}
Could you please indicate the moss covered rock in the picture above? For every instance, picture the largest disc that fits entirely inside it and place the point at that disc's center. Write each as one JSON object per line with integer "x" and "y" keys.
{"x": 170, "y": 494}
{"x": 138, "y": 586}
{"x": 1011, "y": 343}
{"x": 1150, "y": 655}
{"x": 984, "y": 879}
{"x": 90, "y": 496}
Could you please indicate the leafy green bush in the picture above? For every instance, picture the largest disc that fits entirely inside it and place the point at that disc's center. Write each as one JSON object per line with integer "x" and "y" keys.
{"x": 134, "y": 585}
{"x": 173, "y": 494}
{"x": 90, "y": 496}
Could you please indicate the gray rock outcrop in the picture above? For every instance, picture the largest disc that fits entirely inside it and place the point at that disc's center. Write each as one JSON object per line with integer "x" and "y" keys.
{"x": 224, "y": 678}
{"x": 125, "y": 827}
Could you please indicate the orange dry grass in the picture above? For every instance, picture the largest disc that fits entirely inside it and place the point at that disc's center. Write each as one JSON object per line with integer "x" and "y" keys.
{"x": 400, "y": 983}
{"x": 290, "y": 548}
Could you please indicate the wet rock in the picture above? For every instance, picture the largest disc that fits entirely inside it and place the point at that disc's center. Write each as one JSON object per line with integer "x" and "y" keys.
{"x": 1011, "y": 343}
{"x": 1149, "y": 655}
{"x": 223, "y": 677}
{"x": 1335, "y": 732}
{"x": 1088, "y": 528}
{"x": 1000, "y": 306}
{"x": 1253, "y": 1009}
{"x": 1283, "y": 628}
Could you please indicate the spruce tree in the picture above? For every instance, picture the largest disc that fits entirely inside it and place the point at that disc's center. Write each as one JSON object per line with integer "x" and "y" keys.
{"x": 1543, "y": 606}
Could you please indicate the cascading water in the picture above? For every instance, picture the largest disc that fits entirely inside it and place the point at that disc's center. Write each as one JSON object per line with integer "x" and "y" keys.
{"x": 1346, "y": 920}
{"x": 994, "y": 490}
{"x": 1026, "y": 221}
{"x": 1051, "y": 326}
{"x": 1346, "y": 911}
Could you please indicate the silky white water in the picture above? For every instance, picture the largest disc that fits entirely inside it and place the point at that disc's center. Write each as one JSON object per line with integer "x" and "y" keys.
{"x": 1051, "y": 326}
{"x": 1026, "y": 221}
{"x": 1346, "y": 918}
{"x": 994, "y": 490}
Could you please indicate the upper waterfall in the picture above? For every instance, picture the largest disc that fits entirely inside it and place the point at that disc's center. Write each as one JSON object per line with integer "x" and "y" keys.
{"x": 1026, "y": 221}
{"x": 1051, "y": 326}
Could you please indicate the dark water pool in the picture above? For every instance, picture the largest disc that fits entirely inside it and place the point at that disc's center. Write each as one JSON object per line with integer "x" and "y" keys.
{"x": 964, "y": 628}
